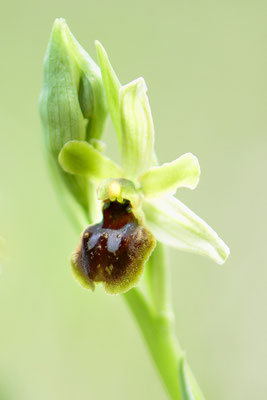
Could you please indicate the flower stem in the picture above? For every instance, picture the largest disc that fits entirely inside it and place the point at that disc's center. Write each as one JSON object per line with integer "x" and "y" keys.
{"x": 160, "y": 339}
{"x": 155, "y": 319}
{"x": 158, "y": 282}
{"x": 154, "y": 316}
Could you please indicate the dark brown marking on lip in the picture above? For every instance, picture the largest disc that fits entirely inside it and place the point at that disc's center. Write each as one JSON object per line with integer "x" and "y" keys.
{"x": 115, "y": 250}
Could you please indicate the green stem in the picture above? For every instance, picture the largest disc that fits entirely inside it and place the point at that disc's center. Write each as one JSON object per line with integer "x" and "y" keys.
{"x": 155, "y": 319}
{"x": 158, "y": 282}
{"x": 160, "y": 339}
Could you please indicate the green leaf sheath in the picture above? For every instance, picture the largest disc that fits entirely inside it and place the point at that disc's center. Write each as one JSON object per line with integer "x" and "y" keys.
{"x": 185, "y": 386}
{"x": 189, "y": 387}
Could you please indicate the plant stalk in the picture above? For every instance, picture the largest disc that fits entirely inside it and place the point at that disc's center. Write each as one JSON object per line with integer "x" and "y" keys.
{"x": 160, "y": 340}
{"x": 155, "y": 318}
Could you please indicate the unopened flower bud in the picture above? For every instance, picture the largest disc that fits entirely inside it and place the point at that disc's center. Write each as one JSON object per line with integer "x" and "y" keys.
{"x": 72, "y": 102}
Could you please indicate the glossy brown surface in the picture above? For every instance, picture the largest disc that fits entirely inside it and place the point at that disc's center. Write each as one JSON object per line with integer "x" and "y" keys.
{"x": 116, "y": 248}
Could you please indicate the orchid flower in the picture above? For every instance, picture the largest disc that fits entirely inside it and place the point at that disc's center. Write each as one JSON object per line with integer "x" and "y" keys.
{"x": 150, "y": 189}
{"x": 131, "y": 208}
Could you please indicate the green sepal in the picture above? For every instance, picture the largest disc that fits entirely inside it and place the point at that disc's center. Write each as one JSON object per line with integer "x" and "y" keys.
{"x": 137, "y": 128}
{"x": 166, "y": 179}
{"x": 81, "y": 158}
{"x": 112, "y": 86}
{"x": 175, "y": 225}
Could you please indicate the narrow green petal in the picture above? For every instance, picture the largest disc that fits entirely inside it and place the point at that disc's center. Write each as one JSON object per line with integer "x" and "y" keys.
{"x": 176, "y": 225}
{"x": 112, "y": 86}
{"x": 137, "y": 128}
{"x": 81, "y": 158}
{"x": 166, "y": 179}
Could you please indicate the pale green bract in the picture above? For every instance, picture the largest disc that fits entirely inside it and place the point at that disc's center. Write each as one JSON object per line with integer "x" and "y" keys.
{"x": 169, "y": 220}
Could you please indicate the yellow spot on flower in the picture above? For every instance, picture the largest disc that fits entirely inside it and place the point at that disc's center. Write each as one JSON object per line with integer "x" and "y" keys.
{"x": 114, "y": 189}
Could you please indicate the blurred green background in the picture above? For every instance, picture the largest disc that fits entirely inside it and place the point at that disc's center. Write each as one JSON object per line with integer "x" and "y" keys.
{"x": 205, "y": 66}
